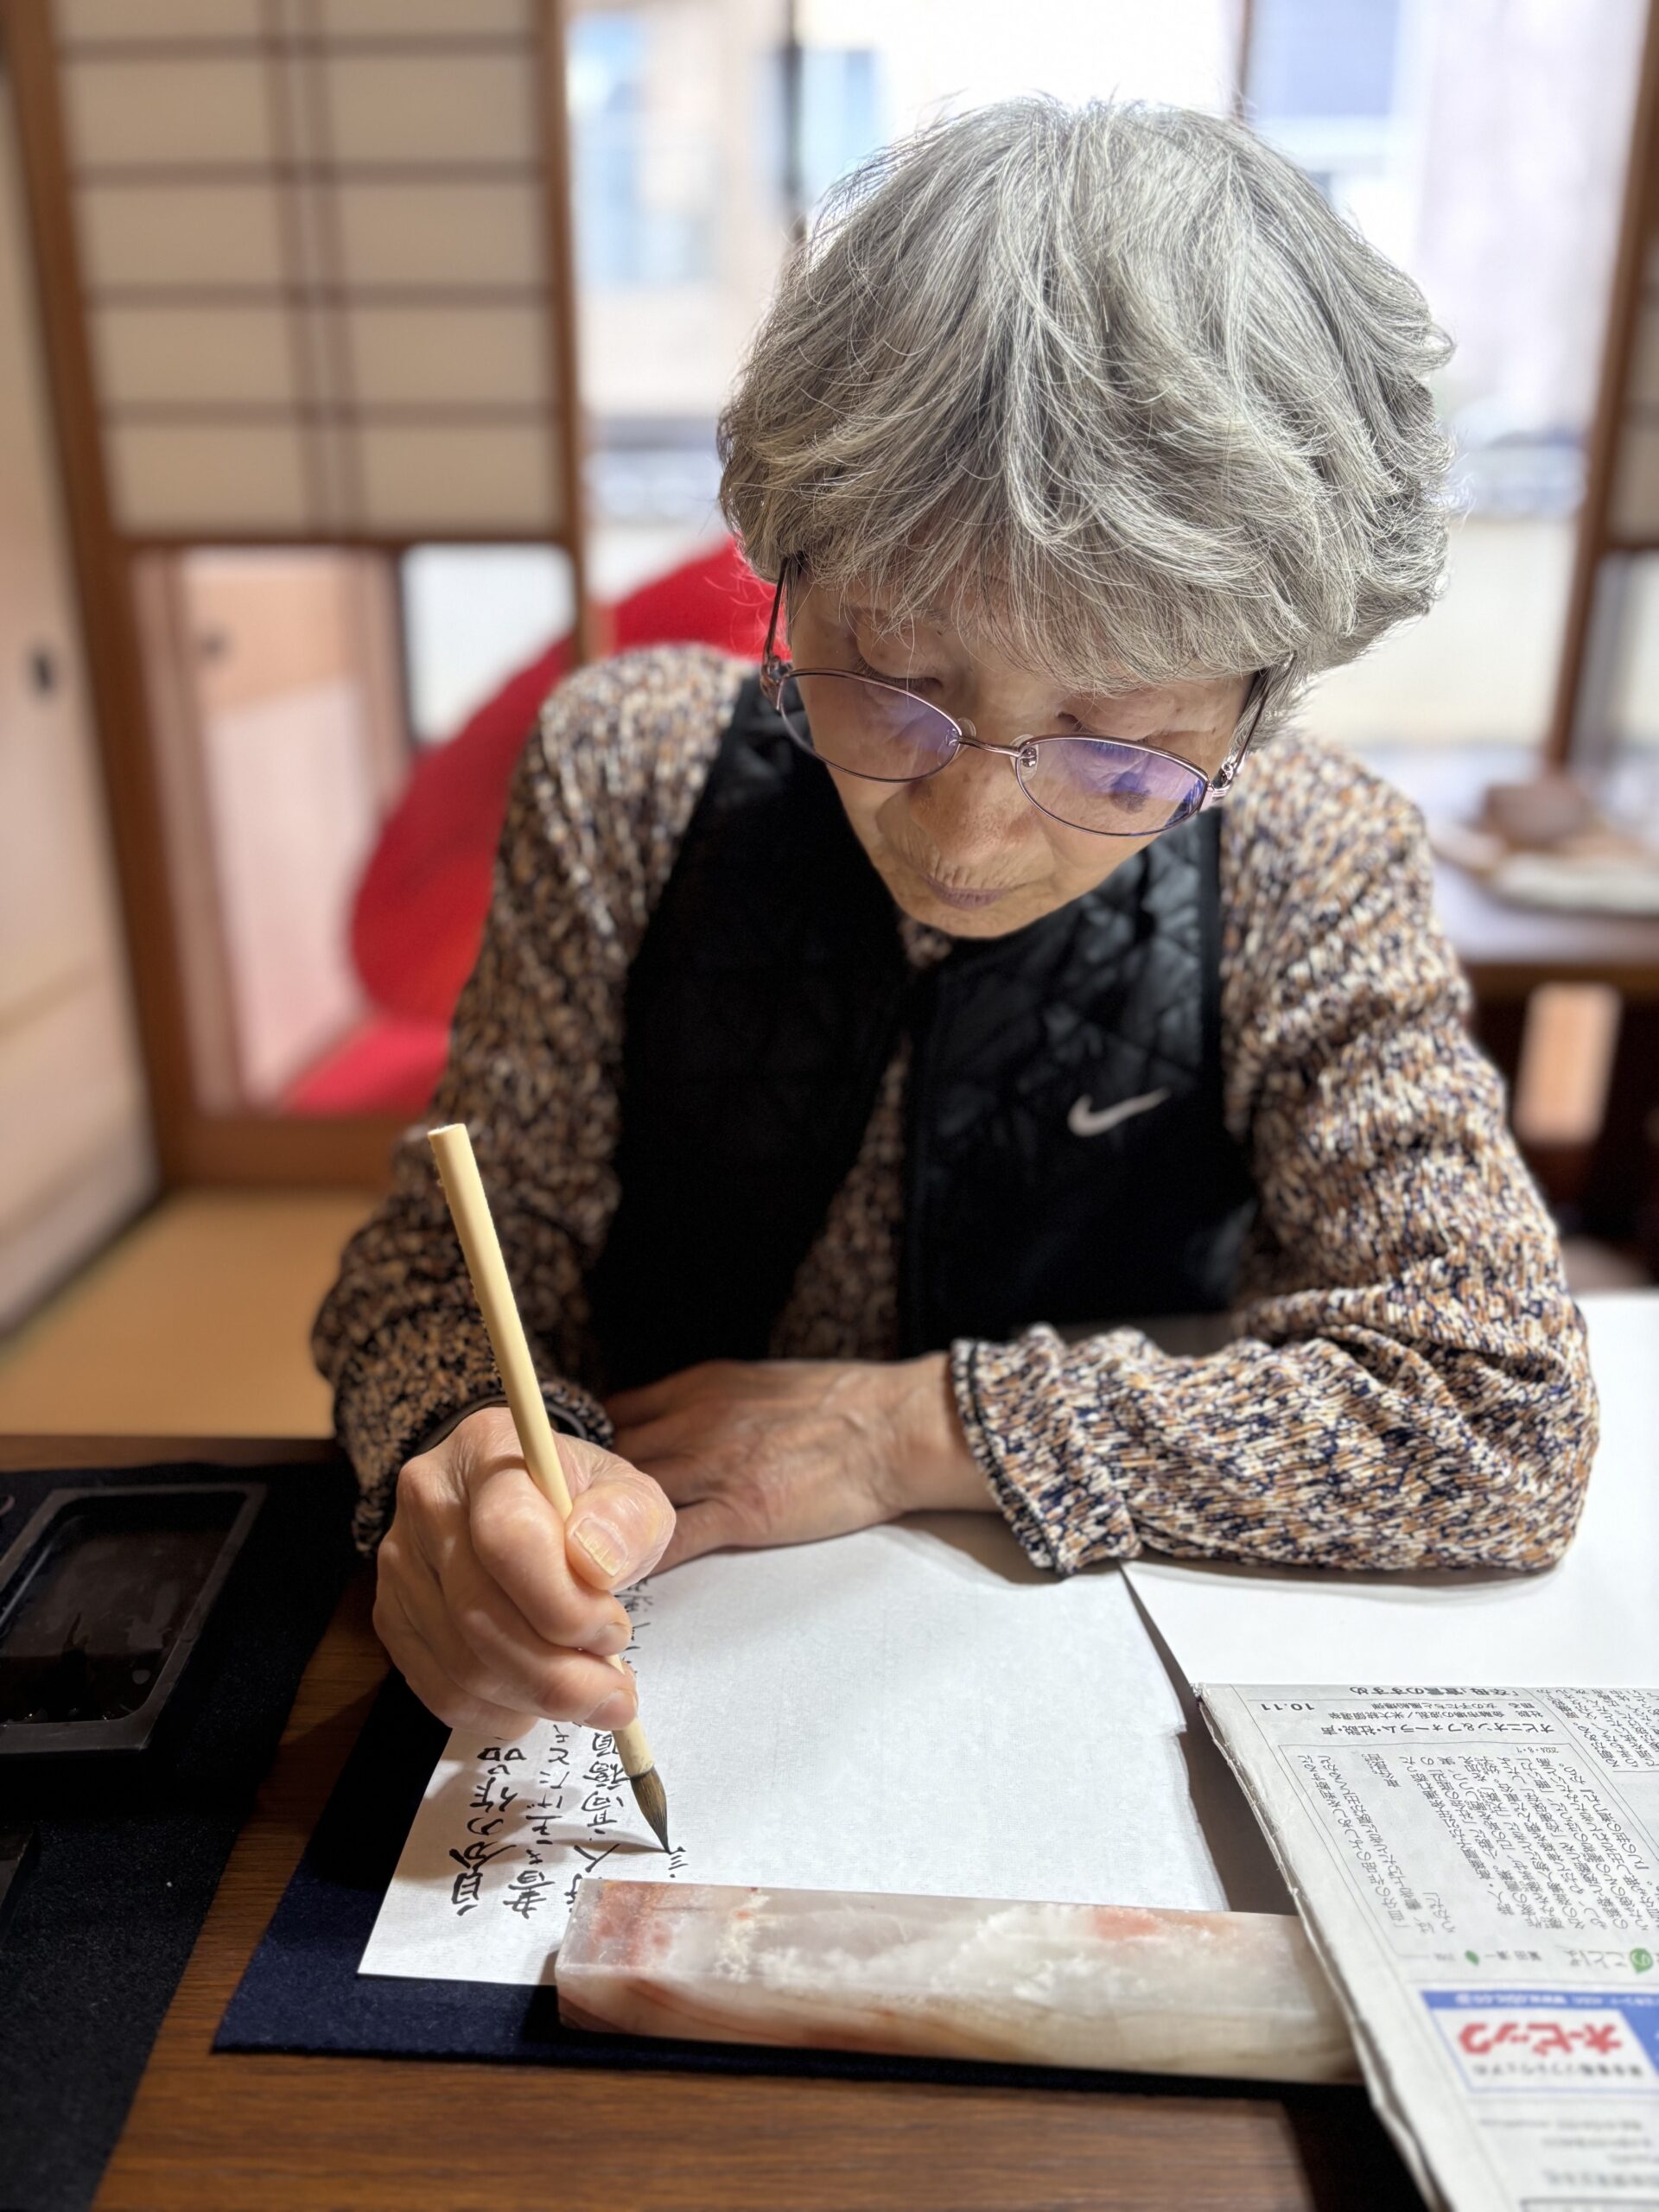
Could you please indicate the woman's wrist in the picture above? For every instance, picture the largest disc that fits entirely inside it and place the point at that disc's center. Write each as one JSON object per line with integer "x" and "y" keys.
{"x": 934, "y": 1470}
{"x": 561, "y": 1417}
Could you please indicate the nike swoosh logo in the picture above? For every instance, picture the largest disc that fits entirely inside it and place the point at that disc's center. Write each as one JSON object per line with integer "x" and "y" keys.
{"x": 1083, "y": 1121}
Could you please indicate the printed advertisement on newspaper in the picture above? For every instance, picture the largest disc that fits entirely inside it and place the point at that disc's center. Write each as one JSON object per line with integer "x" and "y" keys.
{"x": 1479, "y": 1870}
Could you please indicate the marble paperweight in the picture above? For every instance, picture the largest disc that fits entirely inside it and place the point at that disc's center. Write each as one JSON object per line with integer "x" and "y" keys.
{"x": 1232, "y": 1994}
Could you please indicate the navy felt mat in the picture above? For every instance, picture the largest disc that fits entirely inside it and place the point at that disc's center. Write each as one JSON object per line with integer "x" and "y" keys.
{"x": 303, "y": 1992}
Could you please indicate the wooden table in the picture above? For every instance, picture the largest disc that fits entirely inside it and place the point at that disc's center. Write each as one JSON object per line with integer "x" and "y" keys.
{"x": 1607, "y": 1188}
{"x": 234, "y": 2132}
{"x": 1507, "y": 950}
{"x": 1610, "y": 1187}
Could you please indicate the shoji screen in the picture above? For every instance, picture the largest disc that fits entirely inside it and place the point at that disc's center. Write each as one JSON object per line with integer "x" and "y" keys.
{"x": 302, "y": 271}
{"x": 322, "y": 253}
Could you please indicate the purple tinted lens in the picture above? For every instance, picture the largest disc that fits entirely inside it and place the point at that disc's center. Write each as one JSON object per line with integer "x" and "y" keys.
{"x": 870, "y": 729}
{"x": 1120, "y": 790}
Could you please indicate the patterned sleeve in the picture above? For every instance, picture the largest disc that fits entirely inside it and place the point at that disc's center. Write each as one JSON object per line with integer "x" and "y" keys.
{"x": 599, "y": 804}
{"x": 1410, "y": 1386}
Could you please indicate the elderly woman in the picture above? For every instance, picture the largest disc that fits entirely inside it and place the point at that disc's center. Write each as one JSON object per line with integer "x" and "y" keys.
{"x": 858, "y": 1050}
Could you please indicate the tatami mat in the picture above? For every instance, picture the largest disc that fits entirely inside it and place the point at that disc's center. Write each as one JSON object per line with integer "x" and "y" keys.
{"x": 194, "y": 1323}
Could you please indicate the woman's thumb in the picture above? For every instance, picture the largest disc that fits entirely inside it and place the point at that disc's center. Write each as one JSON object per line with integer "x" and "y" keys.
{"x": 619, "y": 1523}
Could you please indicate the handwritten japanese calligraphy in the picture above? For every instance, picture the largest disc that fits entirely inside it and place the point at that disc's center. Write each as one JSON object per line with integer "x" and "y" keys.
{"x": 834, "y": 1717}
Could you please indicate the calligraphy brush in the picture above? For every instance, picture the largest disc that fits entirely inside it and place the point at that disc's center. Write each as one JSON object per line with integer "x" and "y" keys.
{"x": 470, "y": 1211}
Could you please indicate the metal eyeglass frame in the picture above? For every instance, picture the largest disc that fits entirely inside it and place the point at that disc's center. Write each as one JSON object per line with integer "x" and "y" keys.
{"x": 776, "y": 671}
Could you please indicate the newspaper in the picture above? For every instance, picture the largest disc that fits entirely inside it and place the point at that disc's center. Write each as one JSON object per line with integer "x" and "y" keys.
{"x": 1479, "y": 1872}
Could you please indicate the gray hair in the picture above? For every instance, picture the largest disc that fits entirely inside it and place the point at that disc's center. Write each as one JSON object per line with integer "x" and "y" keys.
{"x": 1112, "y": 387}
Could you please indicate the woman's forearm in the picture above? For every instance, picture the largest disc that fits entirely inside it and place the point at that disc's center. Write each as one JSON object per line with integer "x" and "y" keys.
{"x": 1356, "y": 1447}
{"x": 597, "y": 802}
{"x": 1410, "y": 1386}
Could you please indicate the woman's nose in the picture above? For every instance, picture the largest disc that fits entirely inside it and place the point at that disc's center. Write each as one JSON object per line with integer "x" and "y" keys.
{"x": 975, "y": 799}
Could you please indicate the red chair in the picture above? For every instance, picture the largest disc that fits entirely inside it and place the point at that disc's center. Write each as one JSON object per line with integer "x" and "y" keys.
{"x": 420, "y": 906}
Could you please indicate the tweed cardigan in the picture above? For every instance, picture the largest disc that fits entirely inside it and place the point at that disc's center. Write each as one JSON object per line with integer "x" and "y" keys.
{"x": 1407, "y": 1386}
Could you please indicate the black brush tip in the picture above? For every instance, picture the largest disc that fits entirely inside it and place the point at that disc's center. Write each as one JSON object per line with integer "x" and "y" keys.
{"x": 652, "y": 1801}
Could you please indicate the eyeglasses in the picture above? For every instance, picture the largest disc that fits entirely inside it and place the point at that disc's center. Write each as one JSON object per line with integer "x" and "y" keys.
{"x": 880, "y": 731}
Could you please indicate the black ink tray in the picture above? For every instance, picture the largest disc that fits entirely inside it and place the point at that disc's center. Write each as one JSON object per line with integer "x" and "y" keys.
{"x": 103, "y": 1596}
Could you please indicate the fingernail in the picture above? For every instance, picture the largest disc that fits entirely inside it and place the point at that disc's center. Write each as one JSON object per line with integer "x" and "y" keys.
{"x": 615, "y": 1712}
{"x": 603, "y": 1545}
{"x": 613, "y": 1637}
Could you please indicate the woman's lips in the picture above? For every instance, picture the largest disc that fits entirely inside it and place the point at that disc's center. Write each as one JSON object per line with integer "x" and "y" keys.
{"x": 950, "y": 894}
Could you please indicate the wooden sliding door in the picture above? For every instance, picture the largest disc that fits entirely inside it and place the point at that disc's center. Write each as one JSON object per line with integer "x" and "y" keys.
{"x": 74, "y": 1133}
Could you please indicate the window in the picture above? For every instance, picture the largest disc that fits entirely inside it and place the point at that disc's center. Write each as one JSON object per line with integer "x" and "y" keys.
{"x": 1483, "y": 148}
{"x": 644, "y": 176}
{"x": 1323, "y": 60}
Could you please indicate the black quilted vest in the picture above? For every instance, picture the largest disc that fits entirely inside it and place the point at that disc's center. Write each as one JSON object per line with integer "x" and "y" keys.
{"x": 766, "y": 1000}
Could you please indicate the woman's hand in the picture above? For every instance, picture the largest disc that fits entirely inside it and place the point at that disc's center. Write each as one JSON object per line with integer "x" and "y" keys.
{"x": 779, "y": 1452}
{"x": 496, "y": 1615}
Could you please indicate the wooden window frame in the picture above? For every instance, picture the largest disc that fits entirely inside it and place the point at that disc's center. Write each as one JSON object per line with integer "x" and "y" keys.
{"x": 1573, "y": 733}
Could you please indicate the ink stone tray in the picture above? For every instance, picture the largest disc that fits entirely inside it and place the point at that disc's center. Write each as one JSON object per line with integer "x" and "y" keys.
{"x": 103, "y": 1596}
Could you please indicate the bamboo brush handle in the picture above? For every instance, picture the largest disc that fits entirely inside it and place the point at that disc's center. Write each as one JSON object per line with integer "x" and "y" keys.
{"x": 463, "y": 1187}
